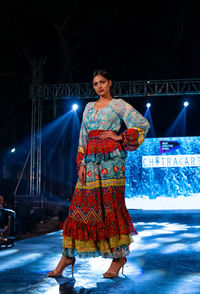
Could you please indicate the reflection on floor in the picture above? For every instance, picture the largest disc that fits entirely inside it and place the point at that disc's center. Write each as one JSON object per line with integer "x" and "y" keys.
{"x": 165, "y": 258}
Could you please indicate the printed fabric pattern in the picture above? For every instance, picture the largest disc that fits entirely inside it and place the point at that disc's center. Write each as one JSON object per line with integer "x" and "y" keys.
{"x": 99, "y": 222}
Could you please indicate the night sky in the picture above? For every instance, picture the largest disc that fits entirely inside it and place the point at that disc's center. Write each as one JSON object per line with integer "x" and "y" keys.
{"x": 146, "y": 41}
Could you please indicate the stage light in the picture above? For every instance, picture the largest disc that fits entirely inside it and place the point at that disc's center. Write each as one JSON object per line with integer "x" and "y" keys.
{"x": 75, "y": 106}
{"x": 148, "y": 105}
{"x": 186, "y": 104}
{"x": 12, "y": 150}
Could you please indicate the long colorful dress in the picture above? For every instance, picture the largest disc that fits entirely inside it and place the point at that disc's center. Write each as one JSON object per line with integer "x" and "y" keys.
{"x": 98, "y": 222}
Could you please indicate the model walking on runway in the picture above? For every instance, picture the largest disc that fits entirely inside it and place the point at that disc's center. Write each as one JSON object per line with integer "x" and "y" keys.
{"x": 98, "y": 223}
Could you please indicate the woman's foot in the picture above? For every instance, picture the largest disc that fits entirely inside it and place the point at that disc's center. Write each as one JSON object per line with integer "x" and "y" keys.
{"x": 114, "y": 268}
{"x": 63, "y": 263}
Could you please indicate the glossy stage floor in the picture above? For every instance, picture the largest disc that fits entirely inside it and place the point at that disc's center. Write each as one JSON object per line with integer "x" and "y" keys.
{"x": 165, "y": 258}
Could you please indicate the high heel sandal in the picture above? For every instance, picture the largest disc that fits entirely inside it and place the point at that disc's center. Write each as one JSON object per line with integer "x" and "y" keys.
{"x": 113, "y": 270}
{"x": 61, "y": 266}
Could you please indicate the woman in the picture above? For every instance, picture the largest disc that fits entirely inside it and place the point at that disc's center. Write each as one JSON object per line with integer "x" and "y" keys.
{"x": 98, "y": 222}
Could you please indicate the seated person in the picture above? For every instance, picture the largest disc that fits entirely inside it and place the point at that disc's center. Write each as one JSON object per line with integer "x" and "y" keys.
{"x": 3, "y": 220}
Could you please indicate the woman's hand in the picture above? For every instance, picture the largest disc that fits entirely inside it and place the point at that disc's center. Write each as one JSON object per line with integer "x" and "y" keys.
{"x": 111, "y": 135}
{"x": 82, "y": 174}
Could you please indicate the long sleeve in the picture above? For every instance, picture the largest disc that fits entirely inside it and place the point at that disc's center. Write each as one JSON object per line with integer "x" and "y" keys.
{"x": 83, "y": 138}
{"x": 137, "y": 126}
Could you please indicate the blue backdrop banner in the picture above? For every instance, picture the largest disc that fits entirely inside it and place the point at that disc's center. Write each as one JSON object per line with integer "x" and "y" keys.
{"x": 164, "y": 173}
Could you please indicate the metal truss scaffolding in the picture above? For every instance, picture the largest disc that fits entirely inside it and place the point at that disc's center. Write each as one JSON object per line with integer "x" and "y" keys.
{"x": 36, "y": 125}
{"x": 35, "y": 166}
{"x": 119, "y": 89}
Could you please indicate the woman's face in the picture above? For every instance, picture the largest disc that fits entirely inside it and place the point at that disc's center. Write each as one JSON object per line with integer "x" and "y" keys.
{"x": 101, "y": 85}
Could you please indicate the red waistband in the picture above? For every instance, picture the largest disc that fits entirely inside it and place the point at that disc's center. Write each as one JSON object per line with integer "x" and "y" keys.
{"x": 95, "y": 133}
{"x": 96, "y": 145}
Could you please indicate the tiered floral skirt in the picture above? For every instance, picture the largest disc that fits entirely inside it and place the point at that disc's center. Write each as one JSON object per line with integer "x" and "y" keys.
{"x": 98, "y": 223}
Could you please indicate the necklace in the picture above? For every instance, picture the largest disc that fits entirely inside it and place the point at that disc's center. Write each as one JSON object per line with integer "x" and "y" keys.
{"x": 99, "y": 104}
{"x": 102, "y": 103}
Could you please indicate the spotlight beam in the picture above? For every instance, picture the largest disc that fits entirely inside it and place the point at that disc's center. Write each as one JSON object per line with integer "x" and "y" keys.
{"x": 74, "y": 107}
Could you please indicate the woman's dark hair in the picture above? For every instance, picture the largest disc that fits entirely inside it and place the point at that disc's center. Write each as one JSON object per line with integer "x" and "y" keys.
{"x": 103, "y": 73}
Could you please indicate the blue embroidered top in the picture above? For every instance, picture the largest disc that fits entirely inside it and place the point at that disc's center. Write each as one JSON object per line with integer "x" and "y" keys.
{"x": 110, "y": 118}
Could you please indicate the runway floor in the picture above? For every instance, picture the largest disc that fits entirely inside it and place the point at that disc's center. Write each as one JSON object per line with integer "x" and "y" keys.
{"x": 165, "y": 259}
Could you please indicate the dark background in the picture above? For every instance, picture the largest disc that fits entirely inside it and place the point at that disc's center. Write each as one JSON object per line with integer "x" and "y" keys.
{"x": 133, "y": 40}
